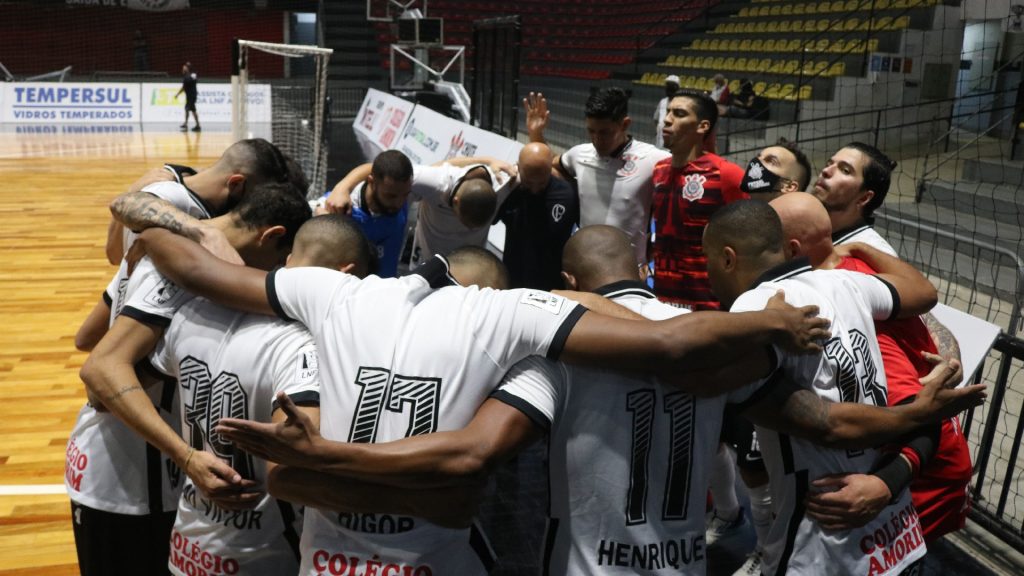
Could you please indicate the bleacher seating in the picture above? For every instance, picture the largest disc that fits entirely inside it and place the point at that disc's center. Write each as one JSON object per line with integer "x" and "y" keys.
{"x": 792, "y": 50}
{"x": 581, "y": 39}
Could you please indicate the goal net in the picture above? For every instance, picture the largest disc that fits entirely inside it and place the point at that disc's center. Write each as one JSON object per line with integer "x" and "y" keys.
{"x": 295, "y": 120}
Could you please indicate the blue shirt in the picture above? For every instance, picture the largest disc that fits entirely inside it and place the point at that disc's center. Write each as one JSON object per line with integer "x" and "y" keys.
{"x": 385, "y": 232}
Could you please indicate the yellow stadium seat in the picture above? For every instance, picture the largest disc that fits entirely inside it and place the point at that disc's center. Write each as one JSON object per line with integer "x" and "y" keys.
{"x": 791, "y": 67}
{"x": 787, "y": 9}
{"x": 745, "y": 45}
{"x": 712, "y": 44}
{"x": 798, "y": 25}
{"x": 661, "y": 78}
{"x": 772, "y": 91}
{"x": 873, "y": 45}
{"x": 734, "y": 45}
{"x": 759, "y": 87}
{"x": 720, "y": 28}
{"x": 785, "y": 26}
{"x": 717, "y": 63}
{"x": 764, "y": 11}
{"x": 882, "y": 23}
{"x": 824, "y": 25}
{"x": 769, "y": 45}
{"x": 776, "y": 10}
{"x": 764, "y": 65}
{"x": 772, "y": 26}
{"x": 837, "y": 69}
{"x": 900, "y": 23}
{"x": 808, "y": 69}
{"x": 821, "y": 45}
{"x": 740, "y": 66}
{"x": 760, "y": 27}
{"x": 777, "y": 66}
{"x": 795, "y": 45}
{"x": 799, "y": 8}
{"x": 881, "y": 4}
{"x": 805, "y": 92}
{"x": 697, "y": 44}
{"x": 734, "y": 86}
{"x": 688, "y": 61}
{"x": 729, "y": 64}
{"x": 851, "y": 6}
{"x": 645, "y": 78}
{"x": 787, "y": 92}
{"x": 850, "y": 24}
{"x": 744, "y": 12}
{"x": 701, "y": 84}
{"x": 855, "y": 46}
{"x": 757, "y": 45}
{"x": 690, "y": 81}
{"x": 824, "y": 7}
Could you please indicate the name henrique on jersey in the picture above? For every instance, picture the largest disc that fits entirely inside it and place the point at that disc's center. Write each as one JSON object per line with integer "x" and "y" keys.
{"x": 108, "y": 466}
{"x": 616, "y": 190}
{"x": 231, "y": 365}
{"x": 849, "y": 370}
{"x": 628, "y": 459}
{"x": 438, "y": 229}
{"x": 430, "y": 358}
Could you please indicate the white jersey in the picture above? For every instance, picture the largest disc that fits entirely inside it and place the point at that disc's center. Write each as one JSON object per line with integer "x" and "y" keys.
{"x": 849, "y": 370}
{"x": 867, "y": 235}
{"x": 406, "y": 359}
{"x": 438, "y": 229}
{"x": 108, "y": 466}
{"x": 230, "y": 364}
{"x": 616, "y": 190}
{"x": 174, "y": 192}
{"x": 628, "y": 459}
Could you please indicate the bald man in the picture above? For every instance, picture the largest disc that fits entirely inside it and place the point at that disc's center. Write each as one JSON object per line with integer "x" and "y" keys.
{"x": 539, "y": 218}
{"x": 938, "y": 460}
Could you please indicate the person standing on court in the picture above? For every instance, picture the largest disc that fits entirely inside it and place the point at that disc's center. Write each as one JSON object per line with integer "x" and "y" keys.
{"x": 188, "y": 86}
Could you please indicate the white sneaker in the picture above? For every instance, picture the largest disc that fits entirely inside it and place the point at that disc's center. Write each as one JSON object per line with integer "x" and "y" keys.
{"x": 718, "y": 528}
{"x": 752, "y": 567}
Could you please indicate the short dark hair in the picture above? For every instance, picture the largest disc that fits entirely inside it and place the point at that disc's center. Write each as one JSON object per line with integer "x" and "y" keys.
{"x": 731, "y": 226}
{"x": 392, "y": 164}
{"x": 801, "y": 159}
{"x": 259, "y": 160}
{"x": 705, "y": 107}
{"x": 482, "y": 259}
{"x": 477, "y": 203}
{"x": 877, "y": 177}
{"x": 607, "y": 104}
{"x": 274, "y": 204}
{"x": 297, "y": 175}
{"x": 333, "y": 240}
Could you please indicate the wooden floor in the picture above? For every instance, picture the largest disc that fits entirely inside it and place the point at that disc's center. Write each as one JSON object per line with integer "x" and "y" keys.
{"x": 53, "y": 217}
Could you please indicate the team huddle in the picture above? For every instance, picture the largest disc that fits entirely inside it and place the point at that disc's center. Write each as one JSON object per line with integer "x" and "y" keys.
{"x": 268, "y": 396}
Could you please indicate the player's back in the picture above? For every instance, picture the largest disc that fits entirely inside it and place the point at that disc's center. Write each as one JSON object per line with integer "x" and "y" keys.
{"x": 229, "y": 364}
{"x": 627, "y": 460}
{"x": 408, "y": 360}
{"x": 849, "y": 370}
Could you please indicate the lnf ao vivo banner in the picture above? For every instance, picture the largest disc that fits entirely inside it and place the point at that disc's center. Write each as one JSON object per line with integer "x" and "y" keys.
{"x": 213, "y": 103}
{"x": 121, "y": 103}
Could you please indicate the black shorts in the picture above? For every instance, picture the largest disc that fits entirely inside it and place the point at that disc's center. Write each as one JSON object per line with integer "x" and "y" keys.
{"x": 111, "y": 544}
{"x": 738, "y": 432}
{"x": 190, "y": 104}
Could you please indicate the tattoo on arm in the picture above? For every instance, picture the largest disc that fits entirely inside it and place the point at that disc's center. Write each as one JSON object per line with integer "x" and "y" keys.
{"x": 141, "y": 210}
{"x": 948, "y": 347}
{"x": 806, "y": 412}
{"x": 124, "y": 391}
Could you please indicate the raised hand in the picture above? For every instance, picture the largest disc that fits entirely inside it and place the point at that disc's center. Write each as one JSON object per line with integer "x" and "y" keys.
{"x": 537, "y": 115}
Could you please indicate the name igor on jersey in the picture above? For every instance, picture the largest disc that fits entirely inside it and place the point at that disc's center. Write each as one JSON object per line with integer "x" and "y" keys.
{"x": 849, "y": 370}
{"x": 108, "y": 466}
{"x": 230, "y": 364}
{"x": 628, "y": 460}
{"x": 406, "y": 359}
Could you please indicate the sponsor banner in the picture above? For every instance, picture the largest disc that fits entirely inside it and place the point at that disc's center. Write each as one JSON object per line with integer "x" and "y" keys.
{"x": 430, "y": 137}
{"x": 69, "y": 102}
{"x": 213, "y": 103}
{"x": 156, "y": 5}
{"x": 382, "y": 117}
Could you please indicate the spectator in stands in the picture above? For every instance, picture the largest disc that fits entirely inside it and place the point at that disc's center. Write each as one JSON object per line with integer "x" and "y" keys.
{"x": 776, "y": 170}
{"x": 688, "y": 188}
{"x": 852, "y": 185}
{"x": 671, "y": 87}
{"x": 720, "y": 92}
{"x": 612, "y": 173}
{"x": 378, "y": 203}
{"x": 188, "y": 86}
{"x": 743, "y": 104}
{"x": 539, "y": 215}
{"x": 140, "y": 52}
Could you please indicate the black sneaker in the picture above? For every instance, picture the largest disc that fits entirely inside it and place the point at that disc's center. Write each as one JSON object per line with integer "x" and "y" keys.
{"x": 184, "y": 128}
{"x": 197, "y": 129}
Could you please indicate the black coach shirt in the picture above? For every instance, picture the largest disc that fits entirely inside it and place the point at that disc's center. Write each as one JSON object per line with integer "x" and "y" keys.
{"x": 537, "y": 228}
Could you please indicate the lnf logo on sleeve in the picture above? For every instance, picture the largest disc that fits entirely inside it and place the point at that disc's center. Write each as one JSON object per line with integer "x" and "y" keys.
{"x": 544, "y": 301}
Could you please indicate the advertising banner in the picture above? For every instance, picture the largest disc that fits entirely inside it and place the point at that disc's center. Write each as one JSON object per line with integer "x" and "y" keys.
{"x": 70, "y": 102}
{"x": 213, "y": 104}
{"x": 430, "y": 137}
{"x": 382, "y": 117}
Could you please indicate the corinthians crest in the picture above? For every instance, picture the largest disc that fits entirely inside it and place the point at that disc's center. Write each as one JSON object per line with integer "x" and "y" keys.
{"x": 694, "y": 187}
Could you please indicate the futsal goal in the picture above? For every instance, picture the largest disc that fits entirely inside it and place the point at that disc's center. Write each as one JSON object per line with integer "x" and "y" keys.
{"x": 296, "y": 117}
